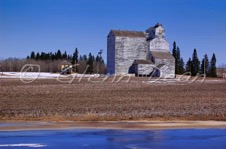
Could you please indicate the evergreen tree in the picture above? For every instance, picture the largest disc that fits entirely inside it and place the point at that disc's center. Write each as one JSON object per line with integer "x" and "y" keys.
{"x": 195, "y": 63}
{"x": 181, "y": 66}
{"x": 58, "y": 55}
{"x": 52, "y": 56}
{"x": 205, "y": 65}
{"x": 80, "y": 58}
{"x": 75, "y": 59}
{"x": 102, "y": 61}
{"x": 42, "y": 56}
{"x": 64, "y": 56}
{"x": 85, "y": 57}
{"x": 213, "y": 68}
{"x": 69, "y": 57}
{"x": 177, "y": 61}
{"x": 97, "y": 58}
{"x": 37, "y": 57}
{"x": 47, "y": 56}
{"x": 32, "y": 55}
{"x": 188, "y": 65}
{"x": 89, "y": 64}
{"x": 55, "y": 56}
{"x": 174, "y": 52}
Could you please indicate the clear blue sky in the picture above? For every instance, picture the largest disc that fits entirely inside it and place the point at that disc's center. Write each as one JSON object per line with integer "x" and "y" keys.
{"x": 49, "y": 25}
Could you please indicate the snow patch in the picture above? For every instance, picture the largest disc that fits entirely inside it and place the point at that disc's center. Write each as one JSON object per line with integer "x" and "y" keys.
{"x": 42, "y": 75}
{"x": 23, "y": 145}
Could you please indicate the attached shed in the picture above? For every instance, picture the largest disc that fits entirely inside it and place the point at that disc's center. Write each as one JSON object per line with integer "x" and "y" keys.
{"x": 166, "y": 61}
{"x": 143, "y": 67}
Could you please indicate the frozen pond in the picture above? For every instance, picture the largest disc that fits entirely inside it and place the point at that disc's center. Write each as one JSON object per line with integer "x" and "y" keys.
{"x": 102, "y": 138}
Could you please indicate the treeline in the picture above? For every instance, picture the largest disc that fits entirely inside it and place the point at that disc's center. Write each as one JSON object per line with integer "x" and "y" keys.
{"x": 88, "y": 64}
{"x": 194, "y": 66}
{"x": 12, "y": 64}
{"x": 51, "y": 62}
{"x": 48, "y": 56}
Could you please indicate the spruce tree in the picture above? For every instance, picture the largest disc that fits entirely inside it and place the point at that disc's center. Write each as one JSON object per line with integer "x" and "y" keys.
{"x": 195, "y": 63}
{"x": 177, "y": 61}
{"x": 69, "y": 57}
{"x": 32, "y": 55}
{"x": 174, "y": 53}
{"x": 75, "y": 59}
{"x": 97, "y": 58}
{"x": 188, "y": 65}
{"x": 80, "y": 58}
{"x": 58, "y": 54}
{"x": 85, "y": 57}
{"x": 64, "y": 56}
{"x": 174, "y": 49}
{"x": 48, "y": 57}
{"x": 181, "y": 66}
{"x": 37, "y": 57}
{"x": 42, "y": 56}
{"x": 213, "y": 68}
{"x": 89, "y": 64}
{"x": 52, "y": 56}
{"x": 205, "y": 65}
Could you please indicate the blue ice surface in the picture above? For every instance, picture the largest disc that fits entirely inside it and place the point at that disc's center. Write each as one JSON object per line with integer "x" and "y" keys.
{"x": 116, "y": 139}
{"x": 10, "y": 124}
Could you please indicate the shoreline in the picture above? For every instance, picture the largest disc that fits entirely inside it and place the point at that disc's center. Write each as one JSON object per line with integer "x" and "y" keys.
{"x": 114, "y": 125}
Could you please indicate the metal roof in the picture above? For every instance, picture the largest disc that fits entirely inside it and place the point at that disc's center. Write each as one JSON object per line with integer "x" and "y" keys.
{"x": 122, "y": 33}
{"x": 162, "y": 55}
{"x": 139, "y": 61}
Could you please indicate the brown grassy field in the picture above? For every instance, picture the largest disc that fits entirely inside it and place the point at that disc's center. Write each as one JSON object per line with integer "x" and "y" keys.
{"x": 48, "y": 99}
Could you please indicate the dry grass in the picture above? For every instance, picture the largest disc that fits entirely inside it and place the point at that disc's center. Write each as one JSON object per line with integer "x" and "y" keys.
{"x": 51, "y": 100}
